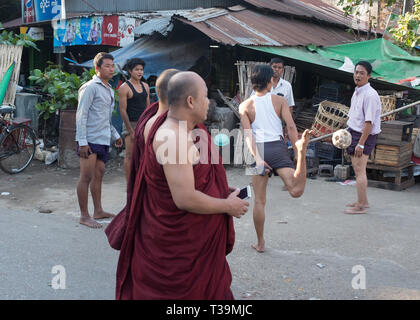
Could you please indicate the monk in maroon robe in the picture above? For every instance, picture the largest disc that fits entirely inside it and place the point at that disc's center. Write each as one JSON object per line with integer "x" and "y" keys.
{"x": 180, "y": 226}
{"x": 116, "y": 229}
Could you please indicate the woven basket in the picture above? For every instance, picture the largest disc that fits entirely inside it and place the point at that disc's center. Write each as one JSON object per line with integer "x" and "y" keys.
{"x": 388, "y": 104}
{"x": 330, "y": 117}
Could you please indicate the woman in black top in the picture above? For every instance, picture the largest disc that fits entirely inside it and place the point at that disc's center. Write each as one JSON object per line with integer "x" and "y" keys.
{"x": 134, "y": 98}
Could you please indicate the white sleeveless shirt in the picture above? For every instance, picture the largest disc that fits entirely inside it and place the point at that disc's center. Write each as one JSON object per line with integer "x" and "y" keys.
{"x": 267, "y": 125}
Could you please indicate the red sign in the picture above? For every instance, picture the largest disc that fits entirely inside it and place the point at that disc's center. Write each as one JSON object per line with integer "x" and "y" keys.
{"x": 28, "y": 11}
{"x": 110, "y": 31}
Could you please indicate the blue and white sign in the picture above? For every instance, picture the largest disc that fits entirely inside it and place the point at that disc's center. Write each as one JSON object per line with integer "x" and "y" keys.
{"x": 46, "y": 10}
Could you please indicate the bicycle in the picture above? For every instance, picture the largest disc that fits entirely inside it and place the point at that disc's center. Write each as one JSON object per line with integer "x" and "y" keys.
{"x": 17, "y": 142}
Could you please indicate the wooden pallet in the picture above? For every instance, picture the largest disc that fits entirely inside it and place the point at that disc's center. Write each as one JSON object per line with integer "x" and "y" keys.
{"x": 395, "y": 132}
{"x": 376, "y": 177}
{"x": 393, "y": 155}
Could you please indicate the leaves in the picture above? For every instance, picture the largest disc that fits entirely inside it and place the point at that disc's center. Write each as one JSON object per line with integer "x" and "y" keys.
{"x": 405, "y": 31}
{"x": 353, "y": 7}
{"x": 10, "y": 38}
{"x": 61, "y": 86}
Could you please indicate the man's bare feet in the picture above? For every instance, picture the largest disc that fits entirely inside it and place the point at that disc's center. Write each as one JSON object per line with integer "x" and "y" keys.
{"x": 259, "y": 248}
{"x": 355, "y": 210}
{"x": 284, "y": 188}
{"x": 304, "y": 140}
{"x": 88, "y": 221}
{"x": 102, "y": 215}
{"x": 355, "y": 204}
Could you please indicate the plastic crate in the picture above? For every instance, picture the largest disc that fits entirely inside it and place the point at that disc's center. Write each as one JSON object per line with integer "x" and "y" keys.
{"x": 312, "y": 163}
{"x": 329, "y": 92}
{"x": 311, "y": 151}
{"x": 328, "y": 151}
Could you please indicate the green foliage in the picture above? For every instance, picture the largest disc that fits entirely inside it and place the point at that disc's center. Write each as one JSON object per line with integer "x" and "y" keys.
{"x": 352, "y": 7}
{"x": 405, "y": 32}
{"x": 61, "y": 88}
{"x": 10, "y": 38}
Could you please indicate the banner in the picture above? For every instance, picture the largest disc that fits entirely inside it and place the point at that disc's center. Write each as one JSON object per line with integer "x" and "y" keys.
{"x": 110, "y": 31}
{"x": 106, "y": 30}
{"x": 79, "y": 31}
{"x": 67, "y": 33}
{"x": 125, "y": 30}
{"x": 41, "y": 10}
{"x": 91, "y": 30}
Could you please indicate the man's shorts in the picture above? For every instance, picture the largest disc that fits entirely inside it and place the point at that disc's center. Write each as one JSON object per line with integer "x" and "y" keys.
{"x": 125, "y": 131}
{"x": 276, "y": 154}
{"x": 101, "y": 151}
{"x": 355, "y": 137}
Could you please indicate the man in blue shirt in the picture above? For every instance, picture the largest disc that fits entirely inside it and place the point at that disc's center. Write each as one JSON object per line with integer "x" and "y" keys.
{"x": 94, "y": 132}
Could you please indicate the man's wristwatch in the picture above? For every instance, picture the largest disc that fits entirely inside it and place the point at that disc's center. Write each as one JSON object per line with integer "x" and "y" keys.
{"x": 360, "y": 146}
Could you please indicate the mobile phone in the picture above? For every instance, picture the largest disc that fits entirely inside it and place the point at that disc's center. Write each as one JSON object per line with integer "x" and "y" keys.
{"x": 245, "y": 193}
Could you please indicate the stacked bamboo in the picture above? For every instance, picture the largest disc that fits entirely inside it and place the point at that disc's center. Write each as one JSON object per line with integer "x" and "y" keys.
{"x": 8, "y": 54}
{"x": 244, "y": 75}
{"x": 304, "y": 119}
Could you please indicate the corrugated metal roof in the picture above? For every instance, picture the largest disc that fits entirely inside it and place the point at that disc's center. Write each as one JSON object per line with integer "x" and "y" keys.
{"x": 200, "y": 14}
{"x": 315, "y": 9}
{"x": 119, "y": 6}
{"x": 161, "y": 25}
{"x": 248, "y": 27}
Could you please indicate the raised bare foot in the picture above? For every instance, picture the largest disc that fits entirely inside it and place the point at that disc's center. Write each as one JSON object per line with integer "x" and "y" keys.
{"x": 304, "y": 141}
{"x": 88, "y": 221}
{"x": 259, "y": 248}
{"x": 355, "y": 204}
{"x": 355, "y": 210}
{"x": 284, "y": 188}
{"x": 102, "y": 215}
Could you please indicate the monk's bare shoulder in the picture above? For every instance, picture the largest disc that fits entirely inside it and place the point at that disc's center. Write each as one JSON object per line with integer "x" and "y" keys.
{"x": 166, "y": 142}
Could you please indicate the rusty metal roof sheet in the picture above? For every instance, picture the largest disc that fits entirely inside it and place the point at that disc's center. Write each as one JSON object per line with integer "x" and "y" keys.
{"x": 248, "y": 27}
{"x": 200, "y": 14}
{"x": 314, "y": 9}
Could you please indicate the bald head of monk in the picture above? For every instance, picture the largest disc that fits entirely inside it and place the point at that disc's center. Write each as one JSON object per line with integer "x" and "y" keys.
{"x": 187, "y": 96}
{"x": 162, "y": 84}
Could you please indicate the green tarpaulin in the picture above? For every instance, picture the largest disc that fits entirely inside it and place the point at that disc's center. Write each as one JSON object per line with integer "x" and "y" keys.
{"x": 4, "y": 83}
{"x": 390, "y": 63}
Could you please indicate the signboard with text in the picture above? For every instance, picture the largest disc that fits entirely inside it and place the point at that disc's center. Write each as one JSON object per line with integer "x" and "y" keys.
{"x": 41, "y": 10}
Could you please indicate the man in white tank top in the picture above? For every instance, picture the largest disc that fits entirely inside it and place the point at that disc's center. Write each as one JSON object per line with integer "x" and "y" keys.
{"x": 261, "y": 118}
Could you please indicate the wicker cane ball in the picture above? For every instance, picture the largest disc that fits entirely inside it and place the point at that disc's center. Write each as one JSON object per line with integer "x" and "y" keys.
{"x": 341, "y": 139}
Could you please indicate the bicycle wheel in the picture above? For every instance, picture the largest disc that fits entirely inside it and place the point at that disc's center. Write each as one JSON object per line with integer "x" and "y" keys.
{"x": 17, "y": 149}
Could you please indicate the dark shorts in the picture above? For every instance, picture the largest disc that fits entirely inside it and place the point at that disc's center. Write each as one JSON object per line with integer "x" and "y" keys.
{"x": 101, "y": 151}
{"x": 276, "y": 154}
{"x": 355, "y": 137}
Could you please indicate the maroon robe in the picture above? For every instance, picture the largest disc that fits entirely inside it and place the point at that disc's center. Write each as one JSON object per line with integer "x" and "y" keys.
{"x": 116, "y": 229}
{"x": 168, "y": 253}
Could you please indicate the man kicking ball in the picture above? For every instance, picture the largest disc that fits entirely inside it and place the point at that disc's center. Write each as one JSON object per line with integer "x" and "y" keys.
{"x": 261, "y": 117}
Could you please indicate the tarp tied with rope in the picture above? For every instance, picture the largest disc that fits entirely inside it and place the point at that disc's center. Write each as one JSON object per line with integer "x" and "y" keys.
{"x": 390, "y": 63}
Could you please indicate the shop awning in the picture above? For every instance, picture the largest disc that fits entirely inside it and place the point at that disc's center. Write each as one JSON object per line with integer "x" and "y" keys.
{"x": 390, "y": 63}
